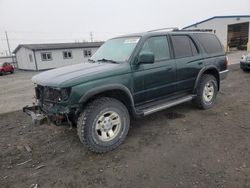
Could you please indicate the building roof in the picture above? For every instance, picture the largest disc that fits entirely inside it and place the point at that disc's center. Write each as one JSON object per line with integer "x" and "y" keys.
{"x": 4, "y": 57}
{"x": 216, "y": 17}
{"x": 56, "y": 46}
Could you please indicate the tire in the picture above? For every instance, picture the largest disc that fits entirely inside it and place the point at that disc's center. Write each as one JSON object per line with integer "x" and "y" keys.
{"x": 1, "y": 73}
{"x": 12, "y": 71}
{"x": 207, "y": 90}
{"x": 245, "y": 70}
{"x": 99, "y": 119}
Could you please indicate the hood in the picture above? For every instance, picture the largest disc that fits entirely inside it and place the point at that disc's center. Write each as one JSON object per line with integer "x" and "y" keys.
{"x": 75, "y": 74}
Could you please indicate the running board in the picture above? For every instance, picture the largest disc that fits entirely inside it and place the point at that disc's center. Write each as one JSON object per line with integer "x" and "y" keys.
{"x": 168, "y": 104}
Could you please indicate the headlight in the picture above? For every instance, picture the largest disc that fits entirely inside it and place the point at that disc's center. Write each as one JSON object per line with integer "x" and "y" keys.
{"x": 56, "y": 94}
{"x": 64, "y": 94}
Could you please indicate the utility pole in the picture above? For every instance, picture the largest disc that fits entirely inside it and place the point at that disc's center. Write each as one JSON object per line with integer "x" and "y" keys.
{"x": 7, "y": 39}
{"x": 10, "y": 54}
{"x": 91, "y": 36}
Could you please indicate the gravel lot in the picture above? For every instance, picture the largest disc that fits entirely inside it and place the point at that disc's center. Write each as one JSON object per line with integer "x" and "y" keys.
{"x": 178, "y": 147}
{"x": 16, "y": 91}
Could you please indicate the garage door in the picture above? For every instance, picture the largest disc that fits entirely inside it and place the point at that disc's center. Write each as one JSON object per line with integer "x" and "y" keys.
{"x": 238, "y": 36}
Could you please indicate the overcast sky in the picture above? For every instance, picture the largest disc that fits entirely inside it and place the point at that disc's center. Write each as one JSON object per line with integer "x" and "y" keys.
{"x": 42, "y": 21}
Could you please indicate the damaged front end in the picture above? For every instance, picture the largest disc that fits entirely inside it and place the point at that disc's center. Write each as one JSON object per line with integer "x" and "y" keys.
{"x": 51, "y": 106}
{"x": 36, "y": 114}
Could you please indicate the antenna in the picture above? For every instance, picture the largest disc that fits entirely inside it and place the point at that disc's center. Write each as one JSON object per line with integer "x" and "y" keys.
{"x": 167, "y": 28}
{"x": 91, "y": 36}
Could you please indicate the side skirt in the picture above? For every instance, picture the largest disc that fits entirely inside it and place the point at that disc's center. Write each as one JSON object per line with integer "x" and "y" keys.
{"x": 161, "y": 105}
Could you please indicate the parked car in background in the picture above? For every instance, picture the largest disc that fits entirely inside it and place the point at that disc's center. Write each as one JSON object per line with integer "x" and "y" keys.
{"x": 6, "y": 67}
{"x": 245, "y": 62}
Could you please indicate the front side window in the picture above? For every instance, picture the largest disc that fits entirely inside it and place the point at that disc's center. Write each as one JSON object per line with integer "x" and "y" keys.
{"x": 183, "y": 46}
{"x": 67, "y": 54}
{"x": 118, "y": 49}
{"x": 158, "y": 46}
{"x": 46, "y": 56}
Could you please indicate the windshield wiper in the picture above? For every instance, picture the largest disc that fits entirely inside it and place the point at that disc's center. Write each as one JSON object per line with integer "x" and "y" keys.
{"x": 91, "y": 60}
{"x": 107, "y": 60}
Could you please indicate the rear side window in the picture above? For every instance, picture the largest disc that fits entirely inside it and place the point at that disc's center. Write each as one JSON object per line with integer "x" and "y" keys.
{"x": 183, "y": 46}
{"x": 210, "y": 43}
{"x": 158, "y": 46}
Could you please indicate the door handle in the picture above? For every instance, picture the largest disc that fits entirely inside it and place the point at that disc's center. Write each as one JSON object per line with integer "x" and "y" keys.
{"x": 200, "y": 63}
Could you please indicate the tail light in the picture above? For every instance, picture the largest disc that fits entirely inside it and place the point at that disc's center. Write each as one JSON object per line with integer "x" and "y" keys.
{"x": 226, "y": 62}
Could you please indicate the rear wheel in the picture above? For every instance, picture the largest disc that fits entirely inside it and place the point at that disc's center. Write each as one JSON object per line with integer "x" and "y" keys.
{"x": 245, "y": 70}
{"x": 103, "y": 125}
{"x": 1, "y": 73}
{"x": 206, "y": 92}
{"x": 12, "y": 71}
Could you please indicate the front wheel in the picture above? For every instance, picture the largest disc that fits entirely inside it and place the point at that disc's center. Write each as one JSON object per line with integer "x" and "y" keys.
{"x": 103, "y": 125}
{"x": 206, "y": 92}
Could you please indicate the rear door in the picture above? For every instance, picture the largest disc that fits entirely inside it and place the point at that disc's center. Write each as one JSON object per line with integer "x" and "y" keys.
{"x": 189, "y": 61}
{"x": 156, "y": 80}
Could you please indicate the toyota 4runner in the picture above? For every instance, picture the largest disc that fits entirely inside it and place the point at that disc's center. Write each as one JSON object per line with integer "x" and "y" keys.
{"x": 130, "y": 76}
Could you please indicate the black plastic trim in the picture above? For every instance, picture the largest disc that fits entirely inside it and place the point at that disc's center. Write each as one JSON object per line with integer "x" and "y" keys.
{"x": 210, "y": 67}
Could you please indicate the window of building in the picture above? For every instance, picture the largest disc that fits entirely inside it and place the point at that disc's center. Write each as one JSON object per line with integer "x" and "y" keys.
{"x": 46, "y": 56}
{"x": 31, "y": 58}
{"x": 87, "y": 53}
{"x": 67, "y": 55}
{"x": 183, "y": 46}
{"x": 158, "y": 46}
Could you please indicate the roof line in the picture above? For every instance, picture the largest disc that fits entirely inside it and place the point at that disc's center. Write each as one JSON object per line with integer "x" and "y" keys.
{"x": 214, "y": 17}
{"x": 47, "y": 46}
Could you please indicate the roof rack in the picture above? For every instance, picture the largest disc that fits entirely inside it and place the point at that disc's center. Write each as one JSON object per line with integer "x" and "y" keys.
{"x": 201, "y": 30}
{"x": 167, "y": 28}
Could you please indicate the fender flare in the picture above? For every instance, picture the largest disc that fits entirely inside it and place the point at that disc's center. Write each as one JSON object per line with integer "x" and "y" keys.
{"x": 108, "y": 87}
{"x": 210, "y": 67}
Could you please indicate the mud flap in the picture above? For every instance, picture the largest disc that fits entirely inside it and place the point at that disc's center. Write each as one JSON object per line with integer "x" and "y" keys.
{"x": 37, "y": 117}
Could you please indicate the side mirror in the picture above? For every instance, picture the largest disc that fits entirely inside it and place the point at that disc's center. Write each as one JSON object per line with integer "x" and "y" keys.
{"x": 146, "y": 58}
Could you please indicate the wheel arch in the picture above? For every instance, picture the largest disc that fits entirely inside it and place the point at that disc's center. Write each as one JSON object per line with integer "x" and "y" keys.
{"x": 212, "y": 70}
{"x": 117, "y": 91}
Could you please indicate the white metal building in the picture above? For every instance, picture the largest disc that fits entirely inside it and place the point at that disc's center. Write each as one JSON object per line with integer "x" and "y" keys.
{"x": 233, "y": 31}
{"x": 48, "y": 56}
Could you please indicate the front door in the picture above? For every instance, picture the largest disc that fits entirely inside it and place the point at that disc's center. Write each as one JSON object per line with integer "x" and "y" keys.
{"x": 156, "y": 80}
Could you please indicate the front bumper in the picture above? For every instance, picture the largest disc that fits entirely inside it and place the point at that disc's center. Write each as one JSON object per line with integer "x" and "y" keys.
{"x": 245, "y": 65}
{"x": 55, "y": 114}
{"x": 223, "y": 74}
{"x": 37, "y": 116}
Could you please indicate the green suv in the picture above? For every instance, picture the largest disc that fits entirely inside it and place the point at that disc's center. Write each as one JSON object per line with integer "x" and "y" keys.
{"x": 130, "y": 76}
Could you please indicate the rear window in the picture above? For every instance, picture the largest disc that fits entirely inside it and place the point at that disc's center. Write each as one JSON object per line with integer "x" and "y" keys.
{"x": 183, "y": 46}
{"x": 210, "y": 43}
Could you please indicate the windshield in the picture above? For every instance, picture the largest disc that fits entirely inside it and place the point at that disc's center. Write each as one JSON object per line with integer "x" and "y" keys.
{"x": 117, "y": 50}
